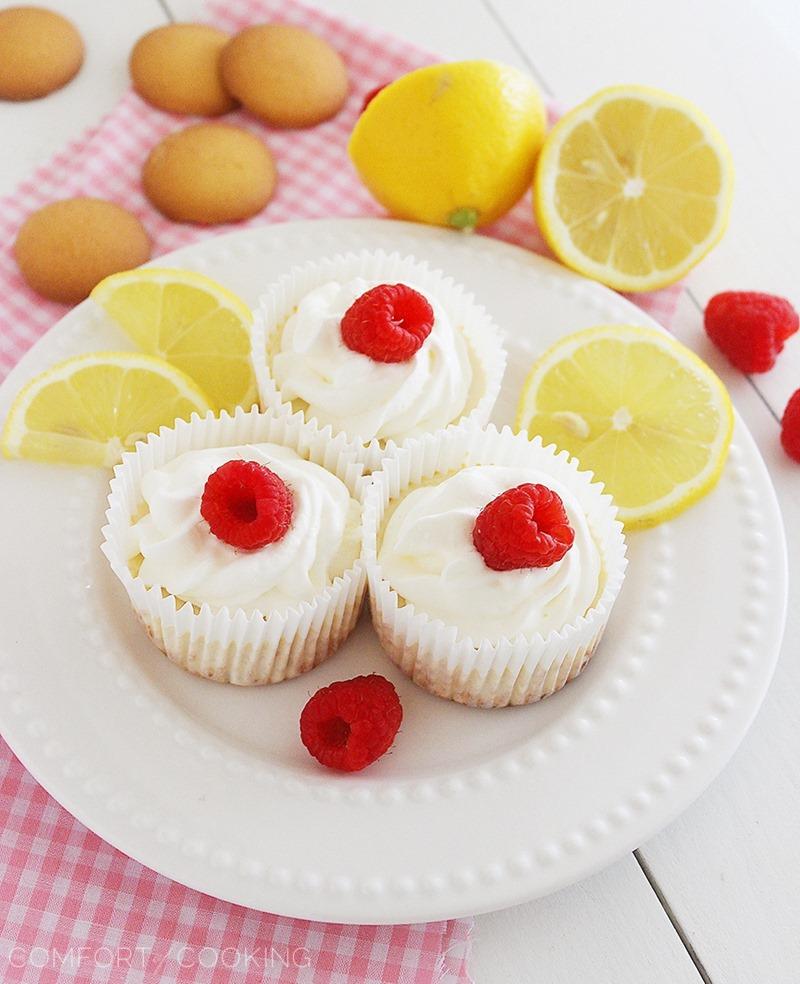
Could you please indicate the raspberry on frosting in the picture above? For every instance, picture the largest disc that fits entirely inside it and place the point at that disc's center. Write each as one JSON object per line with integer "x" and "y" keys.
{"x": 246, "y": 505}
{"x": 523, "y": 527}
{"x": 388, "y": 323}
{"x": 350, "y": 724}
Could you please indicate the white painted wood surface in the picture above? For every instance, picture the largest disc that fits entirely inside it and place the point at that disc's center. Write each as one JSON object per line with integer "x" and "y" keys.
{"x": 608, "y": 929}
{"x": 724, "y": 878}
{"x": 32, "y": 131}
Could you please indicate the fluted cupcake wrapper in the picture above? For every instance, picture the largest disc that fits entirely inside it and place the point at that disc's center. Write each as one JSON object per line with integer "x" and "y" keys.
{"x": 483, "y": 336}
{"x": 223, "y": 645}
{"x": 481, "y": 672}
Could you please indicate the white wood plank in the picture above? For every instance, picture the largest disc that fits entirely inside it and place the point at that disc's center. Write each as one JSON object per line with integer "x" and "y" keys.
{"x": 741, "y": 63}
{"x": 186, "y": 10}
{"x": 609, "y": 929}
{"x": 35, "y": 130}
{"x": 730, "y": 865}
{"x": 462, "y": 29}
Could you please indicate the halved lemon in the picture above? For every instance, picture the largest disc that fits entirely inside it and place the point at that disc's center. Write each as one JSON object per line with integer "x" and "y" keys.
{"x": 190, "y": 321}
{"x": 633, "y": 187}
{"x": 88, "y": 410}
{"x": 637, "y": 408}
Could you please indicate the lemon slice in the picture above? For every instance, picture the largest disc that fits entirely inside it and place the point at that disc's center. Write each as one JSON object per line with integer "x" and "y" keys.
{"x": 639, "y": 410}
{"x": 633, "y": 187}
{"x": 190, "y": 321}
{"x": 88, "y": 410}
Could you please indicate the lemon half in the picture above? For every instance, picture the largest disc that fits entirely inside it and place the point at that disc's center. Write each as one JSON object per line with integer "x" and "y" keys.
{"x": 633, "y": 187}
{"x": 641, "y": 411}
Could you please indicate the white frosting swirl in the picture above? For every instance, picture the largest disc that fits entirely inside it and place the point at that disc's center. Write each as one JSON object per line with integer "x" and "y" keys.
{"x": 358, "y": 395}
{"x": 182, "y": 555}
{"x": 428, "y": 557}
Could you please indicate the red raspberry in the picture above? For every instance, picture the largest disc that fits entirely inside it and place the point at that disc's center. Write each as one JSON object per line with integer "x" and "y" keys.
{"x": 523, "y": 527}
{"x": 350, "y": 724}
{"x": 790, "y": 427}
{"x": 371, "y": 95}
{"x": 750, "y": 328}
{"x": 247, "y": 505}
{"x": 388, "y": 323}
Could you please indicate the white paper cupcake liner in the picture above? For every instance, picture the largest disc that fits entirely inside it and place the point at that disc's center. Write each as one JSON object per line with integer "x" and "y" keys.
{"x": 436, "y": 656}
{"x": 483, "y": 336}
{"x": 220, "y": 644}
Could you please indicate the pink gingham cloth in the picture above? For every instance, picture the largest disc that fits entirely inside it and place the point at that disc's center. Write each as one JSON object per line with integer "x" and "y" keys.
{"x": 71, "y": 906}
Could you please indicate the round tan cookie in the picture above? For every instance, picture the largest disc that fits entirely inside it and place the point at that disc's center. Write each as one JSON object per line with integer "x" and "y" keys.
{"x": 176, "y": 68}
{"x": 66, "y": 248}
{"x": 209, "y": 173}
{"x": 40, "y": 51}
{"x": 286, "y": 75}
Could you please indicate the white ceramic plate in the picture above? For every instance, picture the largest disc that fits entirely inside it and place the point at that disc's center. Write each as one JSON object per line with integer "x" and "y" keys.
{"x": 473, "y": 809}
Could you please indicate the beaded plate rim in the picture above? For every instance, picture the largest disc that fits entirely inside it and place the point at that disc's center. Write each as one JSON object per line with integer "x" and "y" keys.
{"x": 455, "y": 887}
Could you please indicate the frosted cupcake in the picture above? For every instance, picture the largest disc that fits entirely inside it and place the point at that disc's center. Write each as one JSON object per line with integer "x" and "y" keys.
{"x": 238, "y": 548}
{"x": 493, "y": 565}
{"x": 375, "y": 349}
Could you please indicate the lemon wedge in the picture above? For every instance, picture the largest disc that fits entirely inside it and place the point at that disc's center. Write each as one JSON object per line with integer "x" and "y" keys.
{"x": 88, "y": 410}
{"x": 638, "y": 409}
{"x": 633, "y": 187}
{"x": 190, "y": 321}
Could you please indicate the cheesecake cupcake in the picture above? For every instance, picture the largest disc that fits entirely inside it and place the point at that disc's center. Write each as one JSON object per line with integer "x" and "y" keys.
{"x": 376, "y": 348}
{"x": 238, "y": 542}
{"x": 493, "y": 565}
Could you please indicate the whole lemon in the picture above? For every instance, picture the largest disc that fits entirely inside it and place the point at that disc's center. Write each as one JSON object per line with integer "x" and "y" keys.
{"x": 452, "y": 144}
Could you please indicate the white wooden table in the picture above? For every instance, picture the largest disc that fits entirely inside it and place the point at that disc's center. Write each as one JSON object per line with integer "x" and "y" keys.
{"x": 716, "y": 896}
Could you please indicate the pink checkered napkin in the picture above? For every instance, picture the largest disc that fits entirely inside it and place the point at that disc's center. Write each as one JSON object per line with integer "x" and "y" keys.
{"x": 71, "y": 907}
